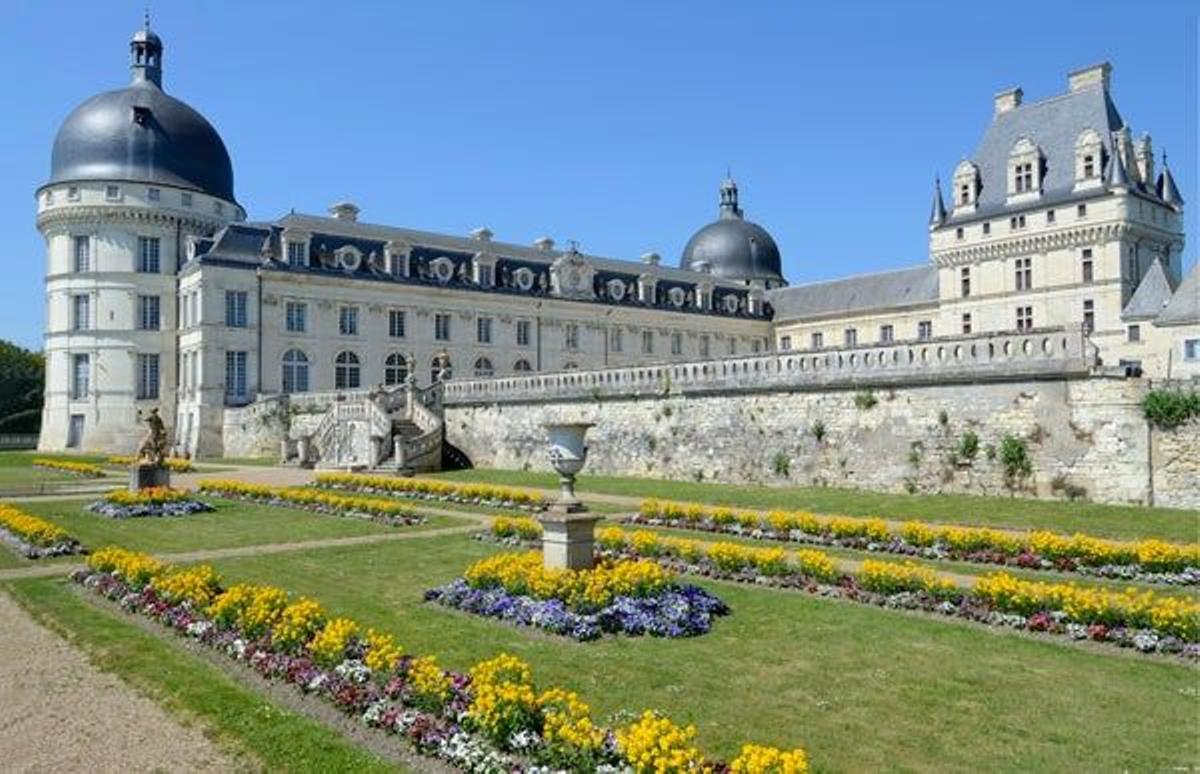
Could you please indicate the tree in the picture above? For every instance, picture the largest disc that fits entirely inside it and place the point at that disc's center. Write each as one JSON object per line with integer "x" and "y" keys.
{"x": 22, "y": 378}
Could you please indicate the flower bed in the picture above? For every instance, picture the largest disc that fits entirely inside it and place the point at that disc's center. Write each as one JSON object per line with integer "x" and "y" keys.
{"x": 513, "y": 531}
{"x": 618, "y": 597}
{"x": 493, "y": 718}
{"x": 433, "y": 489}
{"x": 151, "y": 501}
{"x": 1150, "y": 561}
{"x": 85, "y": 469}
{"x": 376, "y": 509}
{"x": 175, "y": 464}
{"x": 1143, "y": 620}
{"x": 33, "y": 537}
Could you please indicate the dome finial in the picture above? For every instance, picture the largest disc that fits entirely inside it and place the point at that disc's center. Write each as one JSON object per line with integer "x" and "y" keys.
{"x": 729, "y": 198}
{"x": 145, "y": 54}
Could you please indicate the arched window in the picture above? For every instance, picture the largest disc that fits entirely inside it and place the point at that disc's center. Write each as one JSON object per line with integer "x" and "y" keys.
{"x": 522, "y": 366}
{"x": 295, "y": 371}
{"x": 1025, "y": 168}
{"x": 436, "y": 373}
{"x": 346, "y": 374}
{"x": 483, "y": 367}
{"x": 395, "y": 369}
{"x": 1089, "y": 157}
{"x": 966, "y": 184}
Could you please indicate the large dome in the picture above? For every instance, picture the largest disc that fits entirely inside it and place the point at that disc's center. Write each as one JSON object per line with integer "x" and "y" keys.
{"x": 734, "y": 248}
{"x": 142, "y": 134}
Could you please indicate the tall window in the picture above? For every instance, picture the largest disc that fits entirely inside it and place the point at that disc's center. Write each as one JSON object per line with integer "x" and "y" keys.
{"x": 147, "y": 372}
{"x": 235, "y": 375}
{"x": 154, "y": 194}
{"x": 647, "y": 342}
{"x": 1016, "y": 222}
{"x": 850, "y": 337}
{"x": 295, "y": 254}
{"x": 964, "y": 281}
{"x": 1049, "y": 216}
{"x": 1089, "y": 315}
{"x": 1081, "y": 211}
{"x": 148, "y": 313}
{"x": 1024, "y": 177}
{"x": 483, "y": 368}
{"x": 83, "y": 253}
{"x": 818, "y": 340}
{"x": 346, "y": 374}
{"x": 571, "y": 336}
{"x": 395, "y": 369}
{"x": 676, "y": 343}
{"x": 441, "y": 327}
{"x": 617, "y": 338}
{"x": 1024, "y": 318}
{"x": 396, "y": 323}
{"x": 81, "y": 366}
{"x": 235, "y": 308}
{"x": 785, "y": 343}
{"x": 966, "y": 322}
{"x": 522, "y": 366}
{"x": 348, "y": 320}
{"x": 925, "y": 330}
{"x": 296, "y": 316}
{"x": 705, "y": 345}
{"x": 523, "y": 333}
{"x": 483, "y": 330}
{"x": 1024, "y": 273}
{"x": 1089, "y": 271}
{"x": 81, "y": 312}
{"x": 1089, "y": 166}
{"x": 148, "y": 255}
{"x": 295, "y": 371}
{"x": 1134, "y": 333}
{"x": 887, "y": 334}
{"x": 1191, "y": 350}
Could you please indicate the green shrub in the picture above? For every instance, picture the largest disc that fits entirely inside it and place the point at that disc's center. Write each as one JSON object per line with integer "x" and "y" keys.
{"x": 782, "y": 464}
{"x": 968, "y": 445}
{"x": 1015, "y": 459}
{"x": 1170, "y": 408}
{"x": 865, "y": 400}
{"x": 818, "y": 430}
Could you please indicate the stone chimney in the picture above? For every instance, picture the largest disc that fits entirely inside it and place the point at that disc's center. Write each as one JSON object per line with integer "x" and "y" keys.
{"x": 1143, "y": 159}
{"x": 345, "y": 211}
{"x": 543, "y": 244}
{"x": 482, "y": 234}
{"x": 1008, "y": 99}
{"x": 1085, "y": 77}
{"x": 651, "y": 259}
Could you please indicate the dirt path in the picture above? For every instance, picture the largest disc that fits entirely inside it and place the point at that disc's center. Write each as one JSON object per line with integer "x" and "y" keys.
{"x": 60, "y": 713}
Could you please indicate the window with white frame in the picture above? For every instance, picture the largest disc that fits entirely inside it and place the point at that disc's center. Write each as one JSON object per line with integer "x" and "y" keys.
{"x": 785, "y": 343}
{"x": 112, "y": 192}
{"x": 1191, "y": 350}
{"x": 1087, "y": 267}
{"x": 235, "y": 374}
{"x": 571, "y": 336}
{"x": 1024, "y": 318}
{"x": 296, "y": 316}
{"x": 964, "y": 281}
{"x": 396, "y": 323}
{"x": 73, "y": 193}
{"x": 295, "y": 371}
{"x": 887, "y": 333}
{"x": 348, "y": 320}
{"x": 154, "y": 194}
{"x": 850, "y": 337}
{"x": 83, "y": 253}
{"x": 235, "y": 308}
{"x": 441, "y": 327}
{"x": 483, "y": 330}
{"x": 966, "y": 322}
{"x": 616, "y": 340}
{"x": 676, "y": 343}
{"x": 346, "y": 371}
{"x": 149, "y": 249}
{"x": 925, "y": 330}
{"x": 1023, "y": 268}
{"x": 1089, "y": 315}
{"x": 523, "y": 337}
{"x": 296, "y": 254}
{"x": 148, "y": 313}
{"x": 81, "y": 312}
{"x": 147, "y": 372}
{"x": 81, "y": 368}
{"x": 647, "y": 342}
{"x": 1133, "y": 333}
{"x": 817, "y": 340}
{"x": 395, "y": 369}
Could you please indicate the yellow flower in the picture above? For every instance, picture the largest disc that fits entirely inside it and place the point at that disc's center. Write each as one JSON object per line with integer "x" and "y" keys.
{"x": 135, "y": 568}
{"x": 654, "y": 744}
{"x": 757, "y": 759}
{"x": 68, "y": 466}
{"x": 296, "y": 623}
{"x": 31, "y": 529}
{"x": 198, "y": 585}
{"x": 894, "y": 577}
{"x": 328, "y": 646}
{"x": 429, "y": 683}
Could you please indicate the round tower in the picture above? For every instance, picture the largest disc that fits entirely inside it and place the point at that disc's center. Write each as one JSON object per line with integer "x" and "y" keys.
{"x": 134, "y": 174}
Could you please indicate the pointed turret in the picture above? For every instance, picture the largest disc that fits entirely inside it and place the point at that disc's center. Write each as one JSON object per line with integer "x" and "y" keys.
{"x": 1117, "y": 179}
{"x": 1166, "y": 186}
{"x": 937, "y": 214}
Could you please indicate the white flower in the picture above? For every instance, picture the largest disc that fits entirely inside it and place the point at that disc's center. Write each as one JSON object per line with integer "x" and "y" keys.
{"x": 199, "y": 628}
{"x": 353, "y": 670}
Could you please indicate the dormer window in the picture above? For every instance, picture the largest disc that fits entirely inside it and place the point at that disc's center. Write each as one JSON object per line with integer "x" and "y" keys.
{"x": 1089, "y": 159}
{"x": 964, "y": 194}
{"x": 1025, "y": 169}
{"x": 1089, "y": 166}
{"x": 966, "y": 186}
{"x": 1024, "y": 177}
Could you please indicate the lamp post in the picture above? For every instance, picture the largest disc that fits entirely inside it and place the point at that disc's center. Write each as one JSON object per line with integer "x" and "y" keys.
{"x": 568, "y": 529}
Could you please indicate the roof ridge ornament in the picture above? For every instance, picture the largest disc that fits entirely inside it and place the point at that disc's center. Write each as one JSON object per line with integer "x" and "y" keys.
{"x": 937, "y": 215}
{"x": 1166, "y": 188}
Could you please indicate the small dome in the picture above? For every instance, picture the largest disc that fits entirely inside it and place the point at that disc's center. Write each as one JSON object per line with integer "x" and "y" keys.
{"x": 734, "y": 248}
{"x": 142, "y": 134}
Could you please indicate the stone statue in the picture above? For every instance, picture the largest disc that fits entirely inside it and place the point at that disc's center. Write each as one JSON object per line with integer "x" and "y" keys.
{"x": 153, "y": 448}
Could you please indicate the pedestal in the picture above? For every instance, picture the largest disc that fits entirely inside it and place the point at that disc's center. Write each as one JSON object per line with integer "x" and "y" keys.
{"x": 568, "y": 538}
{"x": 142, "y": 476}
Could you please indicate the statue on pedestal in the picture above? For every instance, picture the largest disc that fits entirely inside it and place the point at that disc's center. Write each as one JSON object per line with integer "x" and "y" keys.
{"x": 150, "y": 466}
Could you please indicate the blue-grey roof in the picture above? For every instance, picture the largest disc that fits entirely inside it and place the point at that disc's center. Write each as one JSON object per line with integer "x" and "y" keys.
{"x": 916, "y": 286}
{"x": 1152, "y": 294}
{"x": 1184, "y": 306}
{"x": 1053, "y": 125}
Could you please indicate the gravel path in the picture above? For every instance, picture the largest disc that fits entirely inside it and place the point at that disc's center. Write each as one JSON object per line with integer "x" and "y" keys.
{"x": 60, "y": 713}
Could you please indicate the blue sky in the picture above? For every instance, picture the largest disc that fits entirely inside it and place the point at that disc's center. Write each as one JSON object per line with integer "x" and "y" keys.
{"x": 609, "y": 123}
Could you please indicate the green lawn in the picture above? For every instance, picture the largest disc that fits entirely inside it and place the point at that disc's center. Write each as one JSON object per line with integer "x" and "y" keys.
{"x": 264, "y": 462}
{"x": 263, "y": 734}
{"x": 1126, "y": 522}
{"x": 17, "y": 474}
{"x": 861, "y": 688}
{"x": 232, "y": 524}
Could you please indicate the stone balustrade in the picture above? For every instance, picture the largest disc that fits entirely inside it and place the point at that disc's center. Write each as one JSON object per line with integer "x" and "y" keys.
{"x": 1040, "y": 354}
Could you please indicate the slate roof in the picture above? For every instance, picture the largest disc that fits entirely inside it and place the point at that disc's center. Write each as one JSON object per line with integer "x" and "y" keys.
{"x": 1184, "y": 306}
{"x": 1151, "y": 296}
{"x": 915, "y": 286}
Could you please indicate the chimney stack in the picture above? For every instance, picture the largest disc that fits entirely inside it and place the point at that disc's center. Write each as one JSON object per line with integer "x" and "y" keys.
{"x": 1009, "y": 99}
{"x": 1085, "y": 77}
{"x": 345, "y": 211}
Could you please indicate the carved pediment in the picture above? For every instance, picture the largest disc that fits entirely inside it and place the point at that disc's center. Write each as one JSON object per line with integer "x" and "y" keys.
{"x": 571, "y": 276}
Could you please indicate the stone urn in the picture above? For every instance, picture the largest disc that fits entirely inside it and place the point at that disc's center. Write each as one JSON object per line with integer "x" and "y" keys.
{"x": 568, "y": 530}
